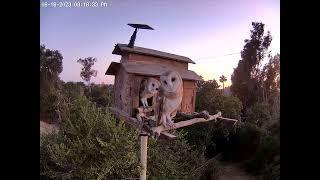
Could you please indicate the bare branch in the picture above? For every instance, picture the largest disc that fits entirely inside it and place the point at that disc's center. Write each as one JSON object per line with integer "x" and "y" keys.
{"x": 159, "y": 129}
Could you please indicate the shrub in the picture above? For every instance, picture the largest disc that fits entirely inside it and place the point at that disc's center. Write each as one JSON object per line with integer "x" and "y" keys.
{"x": 90, "y": 145}
{"x": 266, "y": 160}
{"x": 211, "y": 138}
{"x": 72, "y": 90}
{"x": 172, "y": 159}
{"x": 102, "y": 95}
{"x": 231, "y": 107}
{"x": 243, "y": 142}
{"x": 259, "y": 114}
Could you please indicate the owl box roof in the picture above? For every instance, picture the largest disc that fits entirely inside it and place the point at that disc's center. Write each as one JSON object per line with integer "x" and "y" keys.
{"x": 150, "y": 70}
{"x": 120, "y": 48}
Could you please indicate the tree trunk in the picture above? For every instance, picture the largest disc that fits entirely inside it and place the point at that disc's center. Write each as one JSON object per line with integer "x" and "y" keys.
{"x": 89, "y": 86}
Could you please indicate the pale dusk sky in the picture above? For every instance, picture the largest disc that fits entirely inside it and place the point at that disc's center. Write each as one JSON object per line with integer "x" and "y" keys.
{"x": 205, "y": 31}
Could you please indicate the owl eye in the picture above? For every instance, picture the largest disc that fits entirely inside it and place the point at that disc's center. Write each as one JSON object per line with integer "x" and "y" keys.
{"x": 152, "y": 85}
{"x": 173, "y": 79}
{"x": 165, "y": 82}
{"x": 157, "y": 89}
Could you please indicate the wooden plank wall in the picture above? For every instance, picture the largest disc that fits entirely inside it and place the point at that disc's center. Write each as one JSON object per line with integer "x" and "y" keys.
{"x": 189, "y": 95}
{"x": 156, "y": 60}
{"x": 122, "y": 95}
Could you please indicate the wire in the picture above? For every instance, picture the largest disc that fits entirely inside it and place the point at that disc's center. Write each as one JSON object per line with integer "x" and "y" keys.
{"x": 214, "y": 57}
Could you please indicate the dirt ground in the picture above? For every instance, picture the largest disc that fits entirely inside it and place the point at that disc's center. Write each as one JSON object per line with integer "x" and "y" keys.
{"x": 46, "y": 128}
{"x": 234, "y": 172}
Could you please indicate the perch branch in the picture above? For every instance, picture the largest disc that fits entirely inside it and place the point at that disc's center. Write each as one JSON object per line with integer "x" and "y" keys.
{"x": 183, "y": 116}
{"x": 135, "y": 122}
{"x": 159, "y": 129}
{"x": 228, "y": 119}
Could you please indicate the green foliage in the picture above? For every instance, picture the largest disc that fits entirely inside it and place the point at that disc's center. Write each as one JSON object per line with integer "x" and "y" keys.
{"x": 87, "y": 72}
{"x": 208, "y": 96}
{"x": 231, "y": 107}
{"x": 243, "y": 142}
{"x": 172, "y": 159}
{"x": 211, "y": 99}
{"x": 210, "y": 138}
{"x": 90, "y": 145}
{"x": 222, "y": 80}
{"x": 50, "y": 84}
{"x": 50, "y": 62}
{"x": 245, "y": 84}
{"x": 266, "y": 160}
{"x": 259, "y": 114}
{"x": 72, "y": 90}
{"x": 211, "y": 169}
{"x": 101, "y": 94}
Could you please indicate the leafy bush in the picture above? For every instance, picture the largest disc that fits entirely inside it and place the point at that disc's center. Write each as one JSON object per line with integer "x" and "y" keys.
{"x": 102, "y": 95}
{"x": 259, "y": 114}
{"x": 243, "y": 142}
{"x": 90, "y": 145}
{"x": 211, "y": 138}
{"x": 50, "y": 96}
{"x": 172, "y": 159}
{"x": 231, "y": 107}
{"x": 266, "y": 160}
{"x": 72, "y": 90}
{"x": 209, "y": 97}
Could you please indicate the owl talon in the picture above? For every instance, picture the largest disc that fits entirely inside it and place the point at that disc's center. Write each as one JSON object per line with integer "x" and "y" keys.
{"x": 164, "y": 125}
{"x": 170, "y": 124}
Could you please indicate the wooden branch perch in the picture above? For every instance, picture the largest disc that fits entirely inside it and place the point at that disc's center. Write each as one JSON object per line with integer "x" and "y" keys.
{"x": 183, "y": 116}
{"x": 159, "y": 129}
{"x": 135, "y": 122}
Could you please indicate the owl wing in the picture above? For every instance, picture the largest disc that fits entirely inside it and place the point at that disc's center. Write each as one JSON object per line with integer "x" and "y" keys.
{"x": 143, "y": 88}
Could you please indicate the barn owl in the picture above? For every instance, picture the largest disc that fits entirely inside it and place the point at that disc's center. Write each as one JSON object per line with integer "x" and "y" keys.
{"x": 149, "y": 87}
{"x": 171, "y": 90}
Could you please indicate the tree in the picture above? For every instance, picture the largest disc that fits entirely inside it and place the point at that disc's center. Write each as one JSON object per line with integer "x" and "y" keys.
{"x": 101, "y": 94}
{"x": 50, "y": 83}
{"x": 245, "y": 82}
{"x": 222, "y": 80}
{"x": 270, "y": 78}
{"x": 209, "y": 138}
{"x": 71, "y": 90}
{"x": 87, "y": 72}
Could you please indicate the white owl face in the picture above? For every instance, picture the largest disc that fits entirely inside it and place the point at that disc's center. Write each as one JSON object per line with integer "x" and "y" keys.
{"x": 153, "y": 85}
{"x": 171, "y": 81}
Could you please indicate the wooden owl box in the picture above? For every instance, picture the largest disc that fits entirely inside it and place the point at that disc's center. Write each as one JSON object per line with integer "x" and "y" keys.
{"x": 139, "y": 63}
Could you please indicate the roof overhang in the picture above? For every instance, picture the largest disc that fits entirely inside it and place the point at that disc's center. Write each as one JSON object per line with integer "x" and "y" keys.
{"x": 113, "y": 68}
{"x": 119, "y": 49}
{"x": 151, "y": 70}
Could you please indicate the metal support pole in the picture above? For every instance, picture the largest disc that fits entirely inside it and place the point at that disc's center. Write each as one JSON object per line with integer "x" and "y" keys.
{"x": 143, "y": 156}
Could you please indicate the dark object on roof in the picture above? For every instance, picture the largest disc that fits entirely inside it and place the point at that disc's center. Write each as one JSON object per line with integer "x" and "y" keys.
{"x": 150, "y": 70}
{"x": 141, "y": 26}
{"x": 132, "y": 39}
{"x": 120, "y": 48}
{"x": 133, "y": 36}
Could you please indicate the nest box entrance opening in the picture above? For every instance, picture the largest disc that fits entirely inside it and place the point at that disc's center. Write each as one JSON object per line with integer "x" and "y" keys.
{"x": 149, "y": 100}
